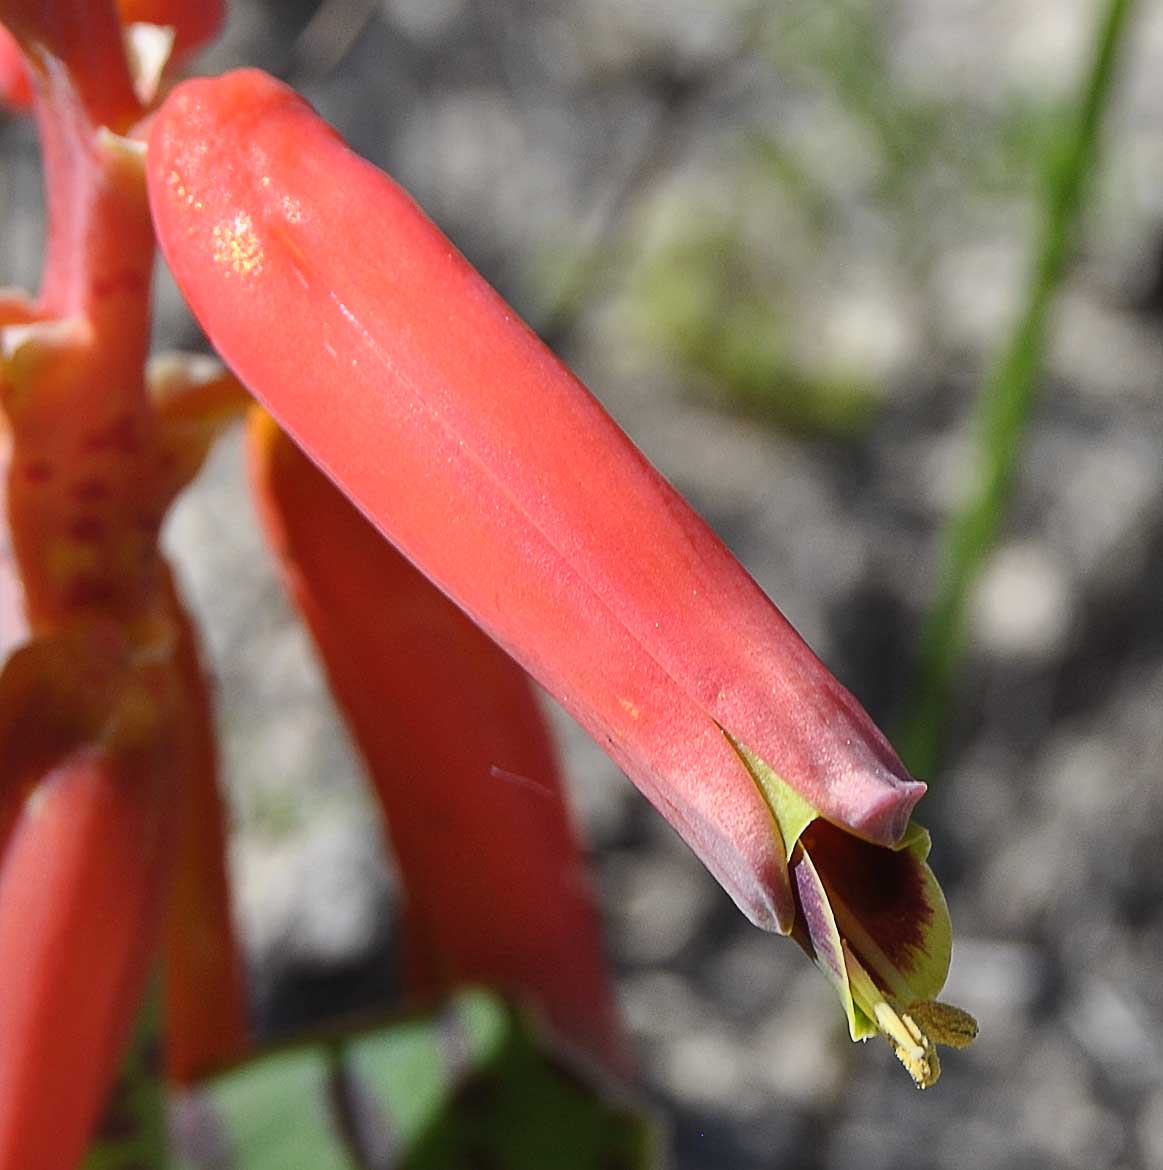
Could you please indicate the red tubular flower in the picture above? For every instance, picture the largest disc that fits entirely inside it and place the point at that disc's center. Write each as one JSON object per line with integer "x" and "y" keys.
{"x": 78, "y": 922}
{"x": 412, "y": 384}
{"x": 495, "y": 885}
{"x": 493, "y": 469}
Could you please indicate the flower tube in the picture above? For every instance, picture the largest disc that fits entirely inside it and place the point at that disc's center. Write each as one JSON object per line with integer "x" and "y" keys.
{"x": 79, "y": 915}
{"x": 418, "y": 391}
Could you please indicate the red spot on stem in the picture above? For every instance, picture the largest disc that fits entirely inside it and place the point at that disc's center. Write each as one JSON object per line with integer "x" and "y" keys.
{"x": 128, "y": 282}
{"x": 38, "y": 471}
{"x": 90, "y": 490}
{"x": 86, "y": 591}
{"x": 88, "y": 529}
{"x": 120, "y": 436}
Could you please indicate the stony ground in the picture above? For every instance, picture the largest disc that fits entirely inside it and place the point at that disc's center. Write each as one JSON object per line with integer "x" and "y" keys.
{"x": 536, "y": 132}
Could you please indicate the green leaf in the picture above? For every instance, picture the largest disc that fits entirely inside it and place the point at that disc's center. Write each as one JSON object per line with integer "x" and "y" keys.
{"x": 276, "y": 1114}
{"x": 471, "y": 1084}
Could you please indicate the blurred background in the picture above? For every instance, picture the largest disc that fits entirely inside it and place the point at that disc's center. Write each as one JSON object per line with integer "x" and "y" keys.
{"x": 785, "y": 243}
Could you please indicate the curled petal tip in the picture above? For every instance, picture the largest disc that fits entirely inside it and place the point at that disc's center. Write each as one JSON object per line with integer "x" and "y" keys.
{"x": 885, "y": 819}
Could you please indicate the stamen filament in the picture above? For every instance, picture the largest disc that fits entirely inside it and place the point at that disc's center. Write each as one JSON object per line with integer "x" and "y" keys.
{"x": 912, "y": 1046}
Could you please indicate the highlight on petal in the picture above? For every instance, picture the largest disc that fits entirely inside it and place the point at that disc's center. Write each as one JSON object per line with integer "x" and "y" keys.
{"x": 193, "y": 22}
{"x": 495, "y": 883}
{"x": 13, "y": 618}
{"x": 148, "y": 48}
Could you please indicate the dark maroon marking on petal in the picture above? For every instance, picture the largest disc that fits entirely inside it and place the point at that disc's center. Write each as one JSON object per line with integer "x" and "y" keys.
{"x": 88, "y": 529}
{"x": 90, "y": 490}
{"x": 884, "y": 890}
{"x": 38, "y": 471}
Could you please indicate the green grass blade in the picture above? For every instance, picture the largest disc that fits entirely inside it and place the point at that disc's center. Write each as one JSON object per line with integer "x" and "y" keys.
{"x": 1006, "y": 401}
